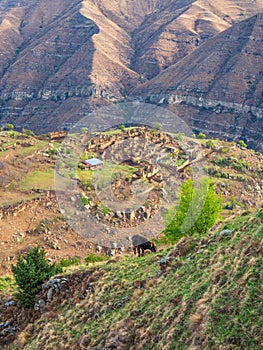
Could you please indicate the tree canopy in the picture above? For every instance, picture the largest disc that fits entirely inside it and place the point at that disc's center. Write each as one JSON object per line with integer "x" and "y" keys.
{"x": 199, "y": 209}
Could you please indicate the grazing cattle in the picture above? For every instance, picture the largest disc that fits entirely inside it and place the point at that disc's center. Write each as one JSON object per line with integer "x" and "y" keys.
{"x": 140, "y": 244}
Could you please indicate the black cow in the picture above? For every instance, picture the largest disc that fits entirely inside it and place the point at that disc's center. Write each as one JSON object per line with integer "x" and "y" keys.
{"x": 140, "y": 244}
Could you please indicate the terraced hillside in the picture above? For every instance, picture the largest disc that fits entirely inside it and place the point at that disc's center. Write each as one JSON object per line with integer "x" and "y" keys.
{"x": 30, "y": 214}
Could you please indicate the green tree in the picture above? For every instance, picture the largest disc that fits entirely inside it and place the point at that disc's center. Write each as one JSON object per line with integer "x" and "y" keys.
{"x": 199, "y": 209}
{"x": 30, "y": 272}
{"x": 84, "y": 130}
{"x": 9, "y": 127}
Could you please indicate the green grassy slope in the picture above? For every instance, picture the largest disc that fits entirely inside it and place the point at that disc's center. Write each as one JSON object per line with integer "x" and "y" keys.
{"x": 207, "y": 296}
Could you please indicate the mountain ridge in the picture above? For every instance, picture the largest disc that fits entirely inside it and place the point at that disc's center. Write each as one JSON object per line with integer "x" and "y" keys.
{"x": 63, "y": 60}
{"x": 223, "y": 77}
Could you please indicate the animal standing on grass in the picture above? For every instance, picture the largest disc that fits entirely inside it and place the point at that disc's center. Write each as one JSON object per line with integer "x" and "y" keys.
{"x": 140, "y": 244}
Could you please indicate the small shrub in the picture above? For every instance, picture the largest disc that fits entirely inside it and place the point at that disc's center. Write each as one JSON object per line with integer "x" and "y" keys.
{"x": 85, "y": 200}
{"x": 122, "y": 127}
{"x": 209, "y": 143}
{"x": 82, "y": 166}
{"x": 242, "y": 143}
{"x": 104, "y": 209}
{"x": 179, "y": 136}
{"x": 9, "y": 127}
{"x": 260, "y": 214}
{"x": 201, "y": 136}
{"x": 52, "y": 151}
{"x": 157, "y": 126}
{"x": 84, "y": 130}
{"x": 6, "y": 283}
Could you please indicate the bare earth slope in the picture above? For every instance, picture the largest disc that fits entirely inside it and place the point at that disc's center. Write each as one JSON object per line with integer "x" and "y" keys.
{"x": 62, "y": 59}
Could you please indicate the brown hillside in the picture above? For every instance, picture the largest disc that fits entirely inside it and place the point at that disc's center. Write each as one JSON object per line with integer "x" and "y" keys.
{"x": 59, "y": 60}
{"x": 219, "y": 86}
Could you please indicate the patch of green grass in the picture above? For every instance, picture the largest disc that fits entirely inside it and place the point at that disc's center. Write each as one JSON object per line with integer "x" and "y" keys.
{"x": 211, "y": 292}
{"x": 40, "y": 145}
{"x": 107, "y": 174}
{"x": 2, "y": 153}
{"x": 38, "y": 179}
{"x": 7, "y": 284}
{"x": 93, "y": 258}
{"x": 69, "y": 262}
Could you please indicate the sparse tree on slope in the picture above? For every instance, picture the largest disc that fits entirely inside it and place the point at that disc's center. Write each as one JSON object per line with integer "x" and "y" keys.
{"x": 198, "y": 211}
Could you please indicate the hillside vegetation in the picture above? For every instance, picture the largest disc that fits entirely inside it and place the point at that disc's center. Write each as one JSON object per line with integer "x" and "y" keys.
{"x": 203, "y": 293}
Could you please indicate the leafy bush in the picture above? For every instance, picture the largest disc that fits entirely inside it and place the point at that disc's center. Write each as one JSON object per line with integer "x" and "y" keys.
{"x": 84, "y": 130}
{"x": 30, "y": 272}
{"x": 179, "y": 136}
{"x": 201, "y": 136}
{"x": 9, "y": 127}
{"x": 122, "y": 127}
{"x": 209, "y": 143}
{"x": 104, "y": 209}
{"x": 260, "y": 214}
{"x": 52, "y": 151}
{"x": 7, "y": 283}
{"x": 157, "y": 126}
{"x": 85, "y": 200}
{"x": 242, "y": 143}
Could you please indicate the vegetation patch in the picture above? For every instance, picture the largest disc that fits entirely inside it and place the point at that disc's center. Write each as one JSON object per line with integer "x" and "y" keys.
{"x": 38, "y": 180}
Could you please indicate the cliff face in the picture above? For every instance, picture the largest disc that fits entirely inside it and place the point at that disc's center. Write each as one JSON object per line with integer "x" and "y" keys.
{"x": 62, "y": 59}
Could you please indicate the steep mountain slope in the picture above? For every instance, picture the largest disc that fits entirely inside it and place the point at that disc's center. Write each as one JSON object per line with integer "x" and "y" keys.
{"x": 203, "y": 294}
{"x": 221, "y": 82}
{"x": 59, "y": 60}
{"x": 179, "y": 27}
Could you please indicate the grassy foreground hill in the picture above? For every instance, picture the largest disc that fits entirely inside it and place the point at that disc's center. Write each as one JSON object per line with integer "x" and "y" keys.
{"x": 203, "y": 293}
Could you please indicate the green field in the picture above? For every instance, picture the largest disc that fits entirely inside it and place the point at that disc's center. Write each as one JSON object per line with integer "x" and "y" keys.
{"x": 43, "y": 180}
